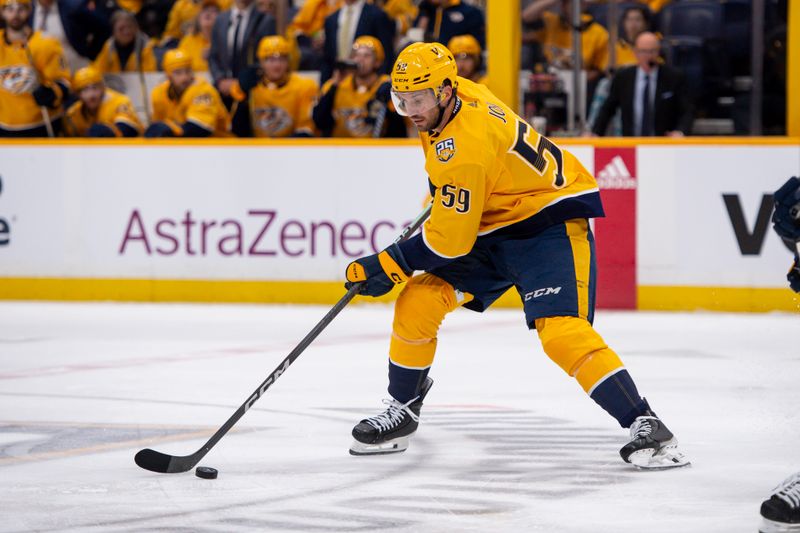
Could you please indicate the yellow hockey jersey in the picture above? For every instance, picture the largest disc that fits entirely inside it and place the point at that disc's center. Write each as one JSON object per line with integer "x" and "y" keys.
{"x": 556, "y": 37}
{"x": 493, "y": 174}
{"x": 197, "y": 47}
{"x": 350, "y": 110}
{"x": 115, "y": 108}
{"x": 108, "y": 59}
{"x": 21, "y": 71}
{"x": 283, "y": 111}
{"x": 199, "y": 104}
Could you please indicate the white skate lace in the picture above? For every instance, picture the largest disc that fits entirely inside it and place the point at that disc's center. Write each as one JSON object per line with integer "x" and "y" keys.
{"x": 642, "y": 427}
{"x": 789, "y": 490}
{"x": 393, "y": 415}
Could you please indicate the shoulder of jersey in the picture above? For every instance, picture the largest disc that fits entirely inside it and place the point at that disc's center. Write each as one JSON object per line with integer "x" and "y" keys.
{"x": 303, "y": 82}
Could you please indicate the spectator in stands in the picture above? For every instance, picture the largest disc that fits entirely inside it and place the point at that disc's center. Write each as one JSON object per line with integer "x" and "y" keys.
{"x": 531, "y": 55}
{"x": 99, "y": 112}
{"x": 280, "y": 101}
{"x": 183, "y": 16}
{"x": 556, "y": 37}
{"x": 307, "y": 29}
{"x": 34, "y": 76}
{"x": 234, "y": 40}
{"x": 359, "y": 104}
{"x": 197, "y": 43}
{"x": 128, "y": 49}
{"x": 444, "y": 19}
{"x": 403, "y": 12}
{"x": 635, "y": 20}
{"x": 185, "y": 106}
{"x": 467, "y": 52}
{"x": 354, "y": 19}
{"x": 652, "y": 97}
{"x": 81, "y": 27}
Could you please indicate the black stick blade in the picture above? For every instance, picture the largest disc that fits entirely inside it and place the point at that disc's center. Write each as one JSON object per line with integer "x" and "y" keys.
{"x": 159, "y": 462}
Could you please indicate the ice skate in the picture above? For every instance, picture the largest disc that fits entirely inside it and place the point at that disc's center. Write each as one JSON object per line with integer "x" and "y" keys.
{"x": 781, "y": 512}
{"x": 652, "y": 445}
{"x": 390, "y": 431}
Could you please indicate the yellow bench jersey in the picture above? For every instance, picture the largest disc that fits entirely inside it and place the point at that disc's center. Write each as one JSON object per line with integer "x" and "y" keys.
{"x": 199, "y": 104}
{"x": 494, "y": 174}
{"x": 114, "y": 108}
{"x": 350, "y": 106}
{"x": 282, "y": 111}
{"x": 19, "y": 78}
{"x": 144, "y": 59}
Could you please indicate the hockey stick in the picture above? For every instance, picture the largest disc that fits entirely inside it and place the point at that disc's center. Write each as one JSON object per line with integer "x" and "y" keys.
{"x": 48, "y": 124}
{"x": 170, "y": 464}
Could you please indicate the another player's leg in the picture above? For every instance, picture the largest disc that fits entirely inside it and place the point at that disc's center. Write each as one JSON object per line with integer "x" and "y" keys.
{"x": 781, "y": 512}
{"x": 562, "y": 316}
{"x": 419, "y": 311}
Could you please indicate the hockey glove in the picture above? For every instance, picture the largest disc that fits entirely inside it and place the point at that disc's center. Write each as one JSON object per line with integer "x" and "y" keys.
{"x": 786, "y": 218}
{"x": 101, "y": 130}
{"x": 44, "y": 96}
{"x": 159, "y": 129}
{"x": 794, "y": 275}
{"x": 379, "y": 272}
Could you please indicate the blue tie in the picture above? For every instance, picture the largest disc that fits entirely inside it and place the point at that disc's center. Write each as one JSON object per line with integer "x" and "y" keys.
{"x": 647, "y": 109}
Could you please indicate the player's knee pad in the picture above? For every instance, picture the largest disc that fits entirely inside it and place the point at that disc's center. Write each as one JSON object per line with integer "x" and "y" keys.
{"x": 578, "y": 349}
{"x": 418, "y": 313}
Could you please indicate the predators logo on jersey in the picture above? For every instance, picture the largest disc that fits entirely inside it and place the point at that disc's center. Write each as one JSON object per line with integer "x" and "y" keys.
{"x": 271, "y": 121}
{"x": 445, "y": 150}
{"x": 18, "y": 79}
{"x": 282, "y": 110}
{"x": 355, "y": 107}
{"x": 115, "y": 108}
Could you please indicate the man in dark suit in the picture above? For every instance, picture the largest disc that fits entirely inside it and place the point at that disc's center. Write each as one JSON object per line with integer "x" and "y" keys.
{"x": 234, "y": 40}
{"x": 354, "y": 19}
{"x": 84, "y": 25}
{"x": 653, "y": 97}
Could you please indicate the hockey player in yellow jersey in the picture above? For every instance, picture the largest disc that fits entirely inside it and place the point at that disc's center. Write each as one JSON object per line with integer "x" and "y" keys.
{"x": 358, "y": 104}
{"x": 185, "y": 106}
{"x": 100, "y": 112}
{"x": 467, "y": 51}
{"x": 280, "y": 101}
{"x": 34, "y": 78}
{"x": 510, "y": 209}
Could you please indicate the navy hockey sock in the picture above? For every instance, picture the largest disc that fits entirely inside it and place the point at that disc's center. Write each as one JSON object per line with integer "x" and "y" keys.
{"x": 617, "y": 394}
{"x": 405, "y": 383}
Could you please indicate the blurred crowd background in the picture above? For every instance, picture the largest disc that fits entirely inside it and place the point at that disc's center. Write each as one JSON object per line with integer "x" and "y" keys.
{"x": 295, "y": 68}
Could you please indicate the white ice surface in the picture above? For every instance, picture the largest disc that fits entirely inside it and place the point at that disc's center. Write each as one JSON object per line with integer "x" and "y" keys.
{"x": 507, "y": 441}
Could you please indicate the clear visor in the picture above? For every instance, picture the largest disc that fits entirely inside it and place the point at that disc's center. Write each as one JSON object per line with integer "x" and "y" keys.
{"x": 414, "y": 102}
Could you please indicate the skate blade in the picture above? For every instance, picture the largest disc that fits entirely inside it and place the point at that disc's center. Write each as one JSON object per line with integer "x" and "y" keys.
{"x": 391, "y": 446}
{"x": 665, "y": 458}
{"x": 768, "y": 526}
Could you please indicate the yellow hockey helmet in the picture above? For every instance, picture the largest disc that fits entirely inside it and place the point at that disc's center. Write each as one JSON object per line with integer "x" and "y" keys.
{"x": 4, "y": 3}
{"x": 424, "y": 66}
{"x": 367, "y": 41}
{"x": 272, "y": 46}
{"x": 175, "y": 59}
{"x": 85, "y": 77}
{"x": 464, "y": 45}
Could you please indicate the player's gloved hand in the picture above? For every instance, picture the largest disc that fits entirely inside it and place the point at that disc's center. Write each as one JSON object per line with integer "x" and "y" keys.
{"x": 44, "y": 96}
{"x": 794, "y": 275}
{"x": 786, "y": 218}
{"x": 101, "y": 130}
{"x": 379, "y": 272}
{"x": 159, "y": 129}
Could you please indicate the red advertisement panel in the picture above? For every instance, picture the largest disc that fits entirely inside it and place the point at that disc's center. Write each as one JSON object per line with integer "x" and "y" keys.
{"x": 615, "y": 170}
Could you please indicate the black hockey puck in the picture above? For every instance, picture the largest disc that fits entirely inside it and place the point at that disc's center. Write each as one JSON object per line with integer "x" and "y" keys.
{"x": 206, "y": 472}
